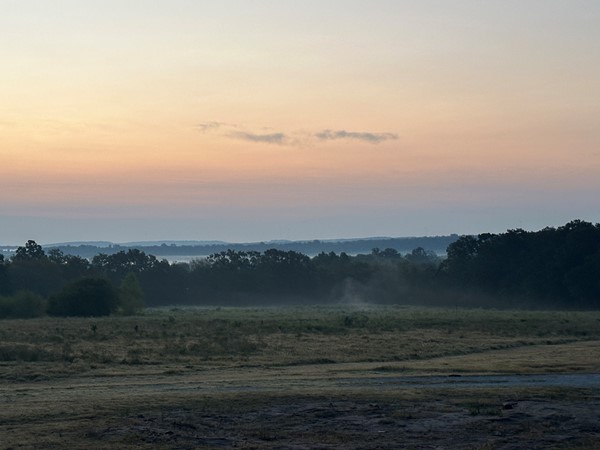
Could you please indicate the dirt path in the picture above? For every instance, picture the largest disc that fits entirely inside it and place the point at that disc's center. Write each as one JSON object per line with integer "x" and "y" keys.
{"x": 328, "y": 377}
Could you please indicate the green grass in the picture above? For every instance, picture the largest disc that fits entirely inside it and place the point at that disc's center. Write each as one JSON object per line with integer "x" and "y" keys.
{"x": 278, "y": 336}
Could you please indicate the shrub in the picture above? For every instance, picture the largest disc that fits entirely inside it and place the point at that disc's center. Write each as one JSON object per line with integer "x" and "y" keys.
{"x": 131, "y": 296}
{"x": 6, "y": 307}
{"x": 85, "y": 298}
{"x": 22, "y": 305}
{"x": 27, "y": 305}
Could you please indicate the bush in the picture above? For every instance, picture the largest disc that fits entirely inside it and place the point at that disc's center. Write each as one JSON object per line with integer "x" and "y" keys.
{"x": 131, "y": 296}
{"x": 22, "y": 305}
{"x": 27, "y": 305}
{"x": 6, "y": 307}
{"x": 85, "y": 298}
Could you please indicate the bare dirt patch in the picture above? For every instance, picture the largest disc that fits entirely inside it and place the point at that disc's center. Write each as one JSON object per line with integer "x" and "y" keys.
{"x": 337, "y": 423}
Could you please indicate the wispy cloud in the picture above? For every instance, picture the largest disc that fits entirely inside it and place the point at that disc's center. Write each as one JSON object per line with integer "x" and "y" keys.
{"x": 298, "y": 138}
{"x": 270, "y": 138}
{"x": 206, "y": 127}
{"x": 375, "y": 138}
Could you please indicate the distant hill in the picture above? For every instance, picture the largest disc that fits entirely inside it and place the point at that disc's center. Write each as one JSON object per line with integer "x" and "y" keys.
{"x": 100, "y": 244}
{"x": 177, "y": 243}
{"x": 437, "y": 244}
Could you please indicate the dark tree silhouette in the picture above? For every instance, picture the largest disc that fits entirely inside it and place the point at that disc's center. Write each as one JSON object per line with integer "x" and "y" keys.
{"x": 85, "y": 298}
{"x": 31, "y": 250}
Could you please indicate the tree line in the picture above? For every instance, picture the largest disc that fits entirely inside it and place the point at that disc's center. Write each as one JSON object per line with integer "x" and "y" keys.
{"x": 550, "y": 268}
{"x": 553, "y": 267}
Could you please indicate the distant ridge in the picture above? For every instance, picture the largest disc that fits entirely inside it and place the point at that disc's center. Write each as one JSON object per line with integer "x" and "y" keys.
{"x": 176, "y": 243}
{"x": 100, "y": 244}
{"x": 171, "y": 248}
{"x": 182, "y": 243}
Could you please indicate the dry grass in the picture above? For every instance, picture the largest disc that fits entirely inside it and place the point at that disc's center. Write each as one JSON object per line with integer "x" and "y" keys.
{"x": 71, "y": 380}
{"x": 281, "y": 337}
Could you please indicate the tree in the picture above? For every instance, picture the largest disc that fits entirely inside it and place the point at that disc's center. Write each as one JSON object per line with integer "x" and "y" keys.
{"x": 421, "y": 256}
{"x": 5, "y": 281}
{"x": 57, "y": 256}
{"x": 32, "y": 270}
{"x": 119, "y": 264}
{"x": 85, "y": 298}
{"x": 31, "y": 251}
{"x": 286, "y": 272}
{"x": 131, "y": 296}
{"x": 463, "y": 249}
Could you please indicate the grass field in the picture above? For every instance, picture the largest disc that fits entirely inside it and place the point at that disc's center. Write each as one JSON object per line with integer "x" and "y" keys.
{"x": 297, "y": 378}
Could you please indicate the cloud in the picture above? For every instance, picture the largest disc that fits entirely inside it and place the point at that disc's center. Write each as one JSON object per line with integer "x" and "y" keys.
{"x": 271, "y": 138}
{"x": 240, "y": 132}
{"x": 206, "y": 127}
{"x": 267, "y": 135}
{"x": 374, "y": 138}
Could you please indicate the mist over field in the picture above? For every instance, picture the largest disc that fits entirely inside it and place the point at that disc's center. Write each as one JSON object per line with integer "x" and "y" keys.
{"x": 547, "y": 269}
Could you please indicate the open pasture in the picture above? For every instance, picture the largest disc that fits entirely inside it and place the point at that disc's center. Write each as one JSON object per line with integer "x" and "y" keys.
{"x": 299, "y": 378}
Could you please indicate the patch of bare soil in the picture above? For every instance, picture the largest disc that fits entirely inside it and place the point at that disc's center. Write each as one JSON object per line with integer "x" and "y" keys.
{"x": 309, "y": 423}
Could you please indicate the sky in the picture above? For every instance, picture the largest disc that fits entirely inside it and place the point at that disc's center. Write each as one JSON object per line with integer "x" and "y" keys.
{"x": 253, "y": 120}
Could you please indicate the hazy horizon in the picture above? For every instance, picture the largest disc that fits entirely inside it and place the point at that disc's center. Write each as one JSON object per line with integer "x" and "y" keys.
{"x": 253, "y": 121}
{"x": 249, "y": 241}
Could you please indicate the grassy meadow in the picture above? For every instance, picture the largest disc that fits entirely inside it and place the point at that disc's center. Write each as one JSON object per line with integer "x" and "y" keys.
{"x": 176, "y": 370}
